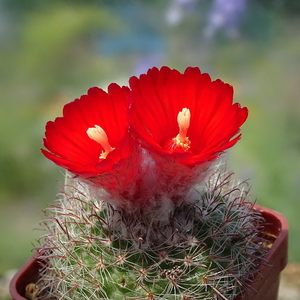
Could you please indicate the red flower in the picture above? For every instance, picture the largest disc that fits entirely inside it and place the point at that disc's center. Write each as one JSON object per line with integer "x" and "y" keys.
{"x": 185, "y": 120}
{"x": 92, "y": 136}
{"x": 186, "y": 117}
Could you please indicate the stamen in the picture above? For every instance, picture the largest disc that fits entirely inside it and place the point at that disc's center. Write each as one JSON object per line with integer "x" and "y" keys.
{"x": 183, "y": 119}
{"x": 98, "y": 134}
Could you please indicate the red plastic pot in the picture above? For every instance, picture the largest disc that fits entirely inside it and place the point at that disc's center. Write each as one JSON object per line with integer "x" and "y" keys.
{"x": 264, "y": 287}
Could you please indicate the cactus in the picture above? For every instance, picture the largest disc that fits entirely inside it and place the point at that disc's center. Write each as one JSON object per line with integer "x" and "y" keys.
{"x": 205, "y": 247}
{"x": 145, "y": 213}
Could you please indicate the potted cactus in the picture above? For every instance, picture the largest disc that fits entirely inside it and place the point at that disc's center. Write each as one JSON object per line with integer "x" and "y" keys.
{"x": 147, "y": 210}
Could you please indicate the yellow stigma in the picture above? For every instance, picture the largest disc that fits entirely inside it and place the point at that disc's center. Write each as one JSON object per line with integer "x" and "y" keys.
{"x": 183, "y": 119}
{"x": 98, "y": 134}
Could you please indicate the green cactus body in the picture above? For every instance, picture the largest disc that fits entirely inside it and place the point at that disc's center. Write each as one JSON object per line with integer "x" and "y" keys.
{"x": 205, "y": 246}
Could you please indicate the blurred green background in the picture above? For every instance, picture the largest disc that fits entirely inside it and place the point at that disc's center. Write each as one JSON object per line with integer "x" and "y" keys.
{"x": 52, "y": 51}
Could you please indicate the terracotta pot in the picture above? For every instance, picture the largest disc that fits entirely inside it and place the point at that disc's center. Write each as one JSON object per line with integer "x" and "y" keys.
{"x": 265, "y": 285}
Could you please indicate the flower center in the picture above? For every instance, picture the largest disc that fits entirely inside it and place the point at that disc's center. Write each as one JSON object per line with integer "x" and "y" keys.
{"x": 183, "y": 119}
{"x": 98, "y": 135}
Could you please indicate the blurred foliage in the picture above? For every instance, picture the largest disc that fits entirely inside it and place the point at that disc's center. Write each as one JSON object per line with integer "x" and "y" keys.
{"x": 53, "y": 51}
